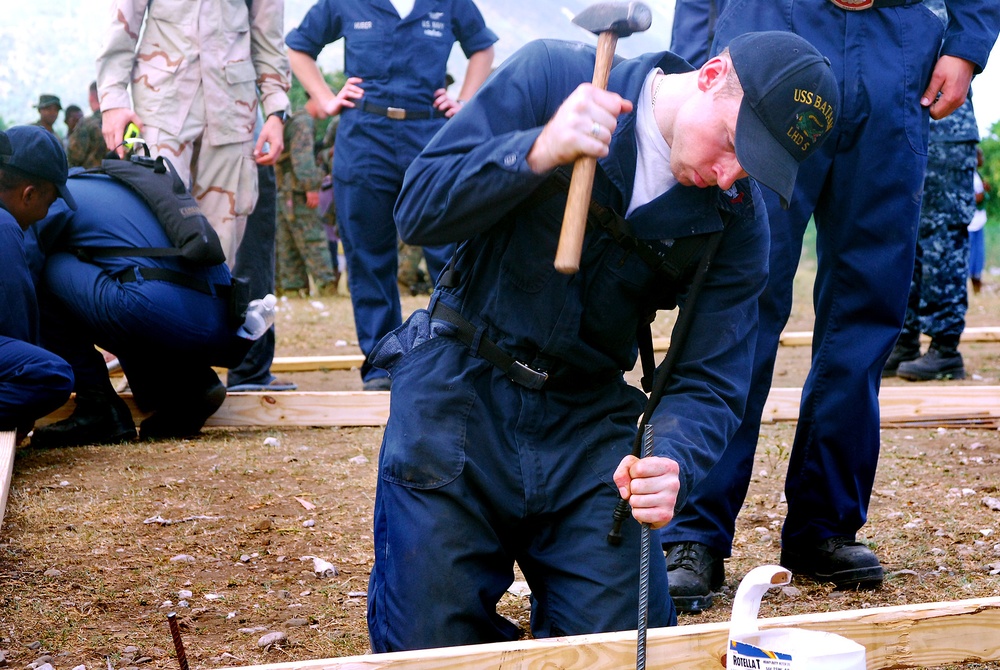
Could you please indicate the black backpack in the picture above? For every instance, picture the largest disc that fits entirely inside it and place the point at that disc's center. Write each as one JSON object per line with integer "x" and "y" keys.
{"x": 156, "y": 181}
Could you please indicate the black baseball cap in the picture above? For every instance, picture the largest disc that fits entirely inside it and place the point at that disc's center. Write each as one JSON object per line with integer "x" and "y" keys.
{"x": 38, "y": 153}
{"x": 790, "y": 104}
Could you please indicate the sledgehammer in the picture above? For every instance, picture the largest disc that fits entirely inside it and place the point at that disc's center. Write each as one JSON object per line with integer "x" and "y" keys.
{"x": 609, "y": 21}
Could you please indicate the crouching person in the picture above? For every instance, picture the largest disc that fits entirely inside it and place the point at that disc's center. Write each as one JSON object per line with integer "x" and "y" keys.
{"x": 33, "y": 382}
{"x": 166, "y": 319}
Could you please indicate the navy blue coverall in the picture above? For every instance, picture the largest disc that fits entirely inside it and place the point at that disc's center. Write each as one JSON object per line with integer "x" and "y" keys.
{"x": 165, "y": 335}
{"x": 864, "y": 188}
{"x": 402, "y": 63}
{"x": 33, "y": 381}
{"x": 476, "y": 471}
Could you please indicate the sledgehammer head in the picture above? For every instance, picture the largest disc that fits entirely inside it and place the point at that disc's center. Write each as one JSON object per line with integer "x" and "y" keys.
{"x": 621, "y": 18}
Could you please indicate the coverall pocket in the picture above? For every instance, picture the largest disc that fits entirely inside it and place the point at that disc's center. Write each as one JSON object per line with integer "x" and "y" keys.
{"x": 246, "y": 192}
{"x": 424, "y": 444}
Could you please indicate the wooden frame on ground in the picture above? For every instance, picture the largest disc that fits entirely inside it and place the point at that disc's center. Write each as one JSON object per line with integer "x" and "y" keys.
{"x": 908, "y": 636}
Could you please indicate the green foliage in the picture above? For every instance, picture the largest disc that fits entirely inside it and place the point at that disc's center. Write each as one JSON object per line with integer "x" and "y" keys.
{"x": 990, "y": 173}
{"x": 297, "y": 95}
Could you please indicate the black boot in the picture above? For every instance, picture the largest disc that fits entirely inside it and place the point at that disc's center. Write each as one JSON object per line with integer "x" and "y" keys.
{"x": 99, "y": 418}
{"x": 907, "y": 349}
{"x": 940, "y": 362}
{"x": 694, "y": 573}
{"x": 184, "y": 419}
{"x": 846, "y": 563}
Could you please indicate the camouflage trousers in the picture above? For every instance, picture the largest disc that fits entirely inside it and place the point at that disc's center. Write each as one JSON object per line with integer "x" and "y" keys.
{"x": 225, "y": 176}
{"x": 938, "y": 294}
{"x": 412, "y": 277}
{"x": 301, "y": 247}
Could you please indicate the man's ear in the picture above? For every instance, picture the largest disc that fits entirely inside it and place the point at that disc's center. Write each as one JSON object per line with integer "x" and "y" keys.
{"x": 713, "y": 73}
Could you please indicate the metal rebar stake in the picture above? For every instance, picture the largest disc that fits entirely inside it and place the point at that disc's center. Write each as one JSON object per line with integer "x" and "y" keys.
{"x": 644, "y": 541}
{"x": 175, "y": 632}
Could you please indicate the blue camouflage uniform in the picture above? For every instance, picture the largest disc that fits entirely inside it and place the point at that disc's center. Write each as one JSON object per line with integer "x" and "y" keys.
{"x": 402, "y": 63}
{"x": 938, "y": 294}
{"x": 478, "y": 471}
{"x": 863, "y": 187}
{"x": 33, "y": 381}
{"x": 165, "y": 335}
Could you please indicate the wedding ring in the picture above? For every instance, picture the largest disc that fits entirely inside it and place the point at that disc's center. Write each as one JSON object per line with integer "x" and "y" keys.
{"x": 595, "y": 129}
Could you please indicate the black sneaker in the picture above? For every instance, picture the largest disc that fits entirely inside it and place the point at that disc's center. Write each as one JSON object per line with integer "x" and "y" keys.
{"x": 902, "y": 352}
{"x": 98, "y": 419}
{"x": 935, "y": 364}
{"x": 694, "y": 572}
{"x": 846, "y": 563}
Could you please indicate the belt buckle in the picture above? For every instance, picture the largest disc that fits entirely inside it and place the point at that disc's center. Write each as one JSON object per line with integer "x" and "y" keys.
{"x": 396, "y": 113}
{"x": 853, "y": 5}
{"x": 523, "y": 375}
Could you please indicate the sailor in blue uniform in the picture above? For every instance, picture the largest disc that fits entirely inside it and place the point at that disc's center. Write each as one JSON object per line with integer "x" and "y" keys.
{"x": 33, "y": 381}
{"x": 166, "y": 320}
{"x": 894, "y": 62}
{"x": 392, "y": 104}
{"x": 511, "y": 424}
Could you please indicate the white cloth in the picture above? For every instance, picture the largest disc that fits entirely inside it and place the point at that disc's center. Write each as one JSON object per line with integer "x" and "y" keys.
{"x": 403, "y": 7}
{"x": 979, "y": 218}
{"x": 652, "y": 169}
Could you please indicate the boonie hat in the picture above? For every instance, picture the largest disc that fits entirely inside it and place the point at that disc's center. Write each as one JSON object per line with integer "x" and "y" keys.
{"x": 790, "y": 104}
{"x": 38, "y": 153}
{"x": 47, "y": 100}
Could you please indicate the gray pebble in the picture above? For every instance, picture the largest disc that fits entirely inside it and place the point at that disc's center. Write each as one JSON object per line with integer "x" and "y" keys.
{"x": 298, "y": 621}
{"x": 270, "y": 639}
{"x": 52, "y": 572}
{"x": 182, "y": 558}
{"x": 35, "y": 645}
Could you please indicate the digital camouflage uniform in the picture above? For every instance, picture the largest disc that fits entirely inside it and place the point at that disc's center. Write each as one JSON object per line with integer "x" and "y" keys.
{"x": 86, "y": 144}
{"x": 195, "y": 78}
{"x": 301, "y": 243}
{"x": 938, "y": 296}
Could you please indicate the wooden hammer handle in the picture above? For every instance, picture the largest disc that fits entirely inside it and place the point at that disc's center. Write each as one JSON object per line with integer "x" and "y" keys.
{"x": 582, "y": 182}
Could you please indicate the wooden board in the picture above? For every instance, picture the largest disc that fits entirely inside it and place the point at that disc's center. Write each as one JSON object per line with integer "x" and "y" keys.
{"x": 980, "y": 334}
{"x": 343, "y": 408}
{"x": 354, "y": 361}
{"x": 902, "y": 402}
{"x": 291, "y": 408}
{"x": 908, "y": 636}
{"x": 7, "y": 445}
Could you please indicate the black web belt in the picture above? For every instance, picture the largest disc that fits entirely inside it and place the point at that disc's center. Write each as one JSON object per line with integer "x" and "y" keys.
{"x": 400, "y": 114}
{"x": 179, "y": 278}
{"x": 517, "y": 371}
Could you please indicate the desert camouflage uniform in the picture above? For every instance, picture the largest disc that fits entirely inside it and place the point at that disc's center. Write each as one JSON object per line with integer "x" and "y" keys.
{"x": 301, "y": 241}
{"x": 86, "y": 144}
{"x": 195, "y": 78}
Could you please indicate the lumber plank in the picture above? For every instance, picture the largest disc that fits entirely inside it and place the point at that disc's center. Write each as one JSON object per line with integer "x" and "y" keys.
{"x": 803, "y": 338}
{"x": 906, "y": 636}
{"x": 354, "y": 361}
{"x": 288, "y": 408}
{"x": 899, "y": 404}
{"x": 8, "y": 439}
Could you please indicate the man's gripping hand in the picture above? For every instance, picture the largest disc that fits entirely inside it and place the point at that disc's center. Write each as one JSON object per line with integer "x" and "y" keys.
{"x": 582, "y": 126}
{"x": 650, "y": 486}
{"x": 113, "y": 123}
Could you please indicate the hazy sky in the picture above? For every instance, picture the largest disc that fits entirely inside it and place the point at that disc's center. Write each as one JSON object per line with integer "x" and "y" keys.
{"x": 49, "y": 46}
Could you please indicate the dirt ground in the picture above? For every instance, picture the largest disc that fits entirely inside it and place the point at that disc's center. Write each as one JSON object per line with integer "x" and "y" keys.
{"x": 229, "y": 530}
